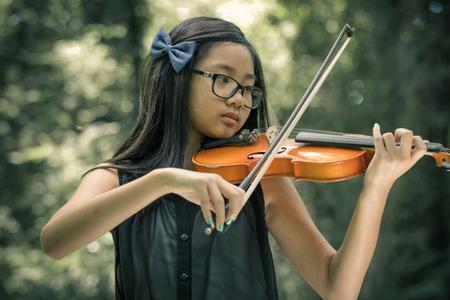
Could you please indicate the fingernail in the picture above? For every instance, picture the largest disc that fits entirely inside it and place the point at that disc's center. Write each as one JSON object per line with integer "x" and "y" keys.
{"x": 210, "y": 222}
{"x": 228, "y": 226}
{"x": 220, "y": 228}
{"x": 229, "y": 222}
{"x": 376, "y": 125}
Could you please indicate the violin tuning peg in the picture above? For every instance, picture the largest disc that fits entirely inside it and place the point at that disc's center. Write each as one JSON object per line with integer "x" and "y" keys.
{"x": 255, "y": 132}
{"x": 243, "y": 136}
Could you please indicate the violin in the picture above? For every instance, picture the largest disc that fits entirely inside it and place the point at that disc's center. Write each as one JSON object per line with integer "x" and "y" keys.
{"x": 306, "y": 157}
{"x": 313, "y": 155}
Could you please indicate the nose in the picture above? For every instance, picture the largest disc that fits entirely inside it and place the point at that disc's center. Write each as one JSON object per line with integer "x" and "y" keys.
{"x": 237, "y": 99}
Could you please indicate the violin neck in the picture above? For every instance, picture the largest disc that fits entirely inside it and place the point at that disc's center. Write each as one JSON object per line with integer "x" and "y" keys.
{"x": 347, "y": 140}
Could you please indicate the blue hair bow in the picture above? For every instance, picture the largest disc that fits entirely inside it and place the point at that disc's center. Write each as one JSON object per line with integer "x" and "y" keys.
{"x": 179, "y": 54}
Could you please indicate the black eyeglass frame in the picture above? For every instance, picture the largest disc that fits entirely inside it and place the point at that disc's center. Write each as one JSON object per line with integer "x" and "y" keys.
{"x": 214, "y": 76}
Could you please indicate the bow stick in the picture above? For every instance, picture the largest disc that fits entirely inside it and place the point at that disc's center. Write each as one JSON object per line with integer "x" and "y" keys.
{"x": 251, "y": 181}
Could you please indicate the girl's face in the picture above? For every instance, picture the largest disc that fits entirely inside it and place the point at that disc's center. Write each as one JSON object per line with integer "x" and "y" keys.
{"x": 210, "y": 115}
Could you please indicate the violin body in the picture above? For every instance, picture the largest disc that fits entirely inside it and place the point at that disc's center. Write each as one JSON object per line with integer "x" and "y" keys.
{"x": 296, "y": 160}
{"x": 312, "y": 156}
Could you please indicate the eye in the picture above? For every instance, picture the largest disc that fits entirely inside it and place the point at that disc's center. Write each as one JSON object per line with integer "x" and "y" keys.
{"x": 223, "y": 79}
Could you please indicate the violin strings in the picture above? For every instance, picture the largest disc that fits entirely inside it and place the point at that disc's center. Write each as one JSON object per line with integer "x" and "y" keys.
{"x": 332, "y": 133}
{"x": 337, "y": 139}
{"x": 307, "y": 130}
{"x": 443, "y": 149}
{"x": 341, "y": 137}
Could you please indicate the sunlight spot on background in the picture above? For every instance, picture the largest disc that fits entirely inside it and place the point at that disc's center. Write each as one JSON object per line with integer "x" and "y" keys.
{"x": 356, "y": 97}
{"x": 183, "y": 11}
{"x": 34, "y": 153}
{"x": 13, "y": 20}
{"x": 339, "y": 5}
{"x": 126, "y": 106}
{"x": 107, "y": 239}
{"x": 357, "y": 90}
{"x": 280, "y": 60}
{"x": 242, "y": 13}
{"x": 436, "y": 7}
{"x": 332, "y": 26}
{"x": 93, "y": 247}
{"x": 419, "y": 23}
{"x": 72, "y": 50}
{"x": 288, "y": 29}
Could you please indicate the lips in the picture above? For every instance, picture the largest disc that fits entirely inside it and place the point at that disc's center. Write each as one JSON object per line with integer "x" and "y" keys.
{"x": 232, "y": 116}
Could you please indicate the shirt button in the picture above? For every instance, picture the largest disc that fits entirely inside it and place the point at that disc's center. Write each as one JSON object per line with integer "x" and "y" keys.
{"x": 184, "y": 237}
{"x": 184, "y": 276}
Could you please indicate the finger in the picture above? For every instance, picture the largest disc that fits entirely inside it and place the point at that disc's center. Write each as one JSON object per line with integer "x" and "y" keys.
{"x": 218, "y": 203}
{"x": 206, "y": 207}
{"x": 235, "y": 196}
{"x": 399, "y": 132}
{"x": 206, "y": 211}
{"x": 405, "y": 137}
{"x": 388, "y": 138}
{"x": 378, "y": 140}
{"x": 419, "y": 148}
{"x": 236, "y": 204}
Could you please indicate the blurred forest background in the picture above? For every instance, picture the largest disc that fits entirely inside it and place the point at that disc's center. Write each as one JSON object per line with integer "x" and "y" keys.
{"x": 69, "y": 96}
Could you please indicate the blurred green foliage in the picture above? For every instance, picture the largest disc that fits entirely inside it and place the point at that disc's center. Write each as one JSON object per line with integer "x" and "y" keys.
{"x": 68, "y": 97}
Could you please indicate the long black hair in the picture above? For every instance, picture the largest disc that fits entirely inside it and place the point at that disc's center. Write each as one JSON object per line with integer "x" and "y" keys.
{"x": 159, "y": 136}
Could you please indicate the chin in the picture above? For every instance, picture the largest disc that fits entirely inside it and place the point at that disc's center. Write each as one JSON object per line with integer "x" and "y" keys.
{"x": 222, "y": 133}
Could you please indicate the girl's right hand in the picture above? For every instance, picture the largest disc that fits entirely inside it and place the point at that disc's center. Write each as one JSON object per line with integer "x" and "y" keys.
{"x": 209, "y": 192}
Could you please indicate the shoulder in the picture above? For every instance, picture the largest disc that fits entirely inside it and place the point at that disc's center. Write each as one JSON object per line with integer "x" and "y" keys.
{"x": 105, "y": 174}
{"x": 101, "y": 179}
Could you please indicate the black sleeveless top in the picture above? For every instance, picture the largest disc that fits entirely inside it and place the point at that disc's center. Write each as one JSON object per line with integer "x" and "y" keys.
{"x": 164, "y": 254}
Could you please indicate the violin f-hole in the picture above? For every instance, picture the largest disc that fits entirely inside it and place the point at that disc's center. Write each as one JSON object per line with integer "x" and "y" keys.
{"x": 254, "y": 155}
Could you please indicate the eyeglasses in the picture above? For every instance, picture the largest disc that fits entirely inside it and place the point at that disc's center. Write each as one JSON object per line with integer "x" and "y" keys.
{"x": 226, "y": 87}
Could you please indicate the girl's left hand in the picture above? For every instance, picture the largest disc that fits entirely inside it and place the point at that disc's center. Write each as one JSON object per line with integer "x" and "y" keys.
{"x": 390, "y": 162}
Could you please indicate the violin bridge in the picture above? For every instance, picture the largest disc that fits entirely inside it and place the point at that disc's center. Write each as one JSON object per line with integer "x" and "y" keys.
{"x": 271, "y": 134}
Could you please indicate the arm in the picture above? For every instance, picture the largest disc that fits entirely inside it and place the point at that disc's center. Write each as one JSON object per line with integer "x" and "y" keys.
{"x": 100, "y": 204}
{"x": 339, "y": 274}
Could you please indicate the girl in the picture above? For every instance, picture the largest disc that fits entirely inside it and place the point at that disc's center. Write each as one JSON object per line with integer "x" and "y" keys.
{"x": 205, "y": 79}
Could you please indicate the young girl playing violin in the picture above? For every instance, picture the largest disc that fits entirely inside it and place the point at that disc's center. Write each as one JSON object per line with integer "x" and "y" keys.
{"x": 205, "y": 79}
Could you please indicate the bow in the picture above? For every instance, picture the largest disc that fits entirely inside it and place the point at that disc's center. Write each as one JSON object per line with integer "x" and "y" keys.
{"x": 179, "y": 54}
